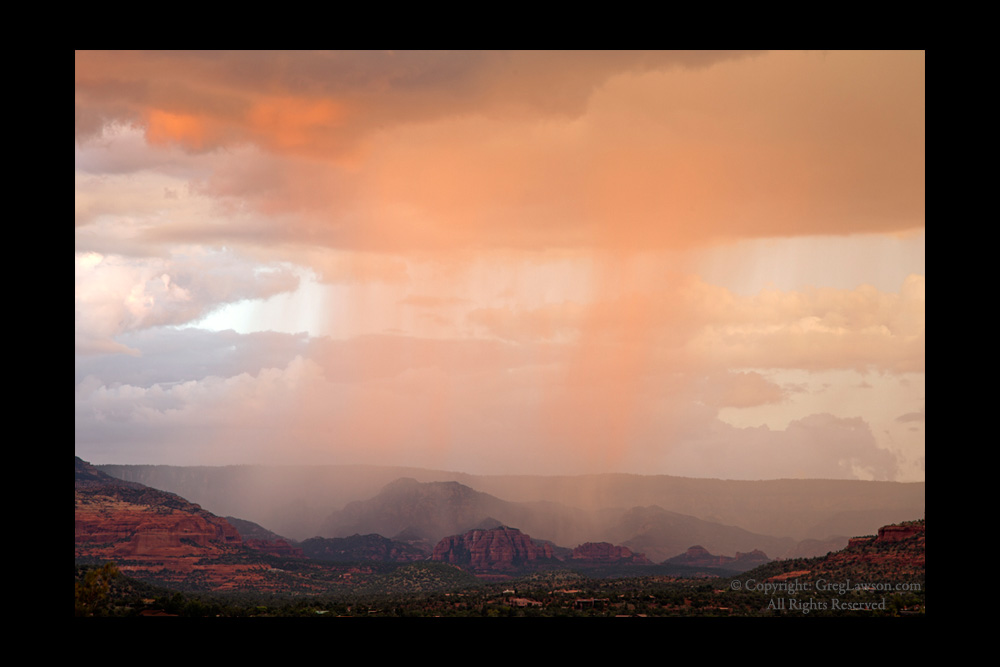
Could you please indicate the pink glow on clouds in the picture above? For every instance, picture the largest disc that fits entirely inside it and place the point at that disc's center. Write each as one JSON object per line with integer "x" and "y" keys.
{"x": 511, "y": 253}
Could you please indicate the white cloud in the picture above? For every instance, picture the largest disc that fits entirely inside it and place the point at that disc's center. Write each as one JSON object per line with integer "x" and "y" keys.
{"x": 117, "y": 294}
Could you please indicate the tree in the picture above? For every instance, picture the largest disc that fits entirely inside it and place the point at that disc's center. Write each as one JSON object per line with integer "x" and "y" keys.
{"x": 92, "y": 592}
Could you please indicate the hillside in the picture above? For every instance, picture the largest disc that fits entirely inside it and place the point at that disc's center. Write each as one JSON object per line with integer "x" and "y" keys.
{"x": 117, "y": 519}
{"x": 895, "y": 554}
{"x": 360, "y": 548}
{"x": 147, "y": 531}
{"x": 160, "y": 537}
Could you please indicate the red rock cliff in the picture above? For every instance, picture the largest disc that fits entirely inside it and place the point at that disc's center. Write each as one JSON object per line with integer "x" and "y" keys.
{"x": 898, "y": 533}
{"x": 275, "y": 548}
{"x": 135, "y": 528}
{"x": 498, "y": 549}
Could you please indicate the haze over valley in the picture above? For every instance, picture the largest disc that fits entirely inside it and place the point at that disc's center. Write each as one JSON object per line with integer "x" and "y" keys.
{"x": 664, "y": 515}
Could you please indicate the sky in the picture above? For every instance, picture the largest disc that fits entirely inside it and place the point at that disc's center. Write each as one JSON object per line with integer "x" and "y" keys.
{"x": 694, "y": 263}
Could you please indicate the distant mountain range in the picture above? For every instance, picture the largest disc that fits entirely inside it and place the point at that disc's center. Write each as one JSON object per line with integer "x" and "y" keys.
{"x": 429, "y": 511}
{"x": 658, "y": 515}
{"x": 162, "y": 536}
{"x": 424, "y": 513}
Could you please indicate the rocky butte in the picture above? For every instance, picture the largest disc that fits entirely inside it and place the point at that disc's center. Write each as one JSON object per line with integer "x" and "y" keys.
{"x": 502, "y": 549}
{"x": 699, "y": 556}
{"x": 899, "y": 533}
{"x": 605, "y": 552}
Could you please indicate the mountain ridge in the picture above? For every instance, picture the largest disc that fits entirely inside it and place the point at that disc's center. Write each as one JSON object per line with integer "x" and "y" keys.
{"x": 296, "y": 500}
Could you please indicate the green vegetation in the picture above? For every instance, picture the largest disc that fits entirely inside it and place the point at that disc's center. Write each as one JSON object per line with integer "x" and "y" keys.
{"x": 92, "y": 589}
{"x": 435, "y": 589}
{"x": 102, "y": 590}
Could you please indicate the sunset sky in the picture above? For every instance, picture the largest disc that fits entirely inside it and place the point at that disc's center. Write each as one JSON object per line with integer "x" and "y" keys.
{"x": 697, "y": 263}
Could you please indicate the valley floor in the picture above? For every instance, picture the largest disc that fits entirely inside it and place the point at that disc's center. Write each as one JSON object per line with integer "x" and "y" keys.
{"x": 551, "y": 594}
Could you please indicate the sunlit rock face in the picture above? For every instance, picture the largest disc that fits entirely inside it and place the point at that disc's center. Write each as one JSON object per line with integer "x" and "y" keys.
{"x": 147, "y": 530}
{"x": 133, "y": 520}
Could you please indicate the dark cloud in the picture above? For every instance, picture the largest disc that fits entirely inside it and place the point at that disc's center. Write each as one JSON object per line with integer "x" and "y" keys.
{"x": 384, "y": 86}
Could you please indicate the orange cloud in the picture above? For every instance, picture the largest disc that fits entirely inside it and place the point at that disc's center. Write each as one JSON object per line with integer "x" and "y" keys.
{"x": 297, "y": 125}
{"x": 189, "y": 130}
{"x": 544, "y": 202}
{"x": 403, "y": 152}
